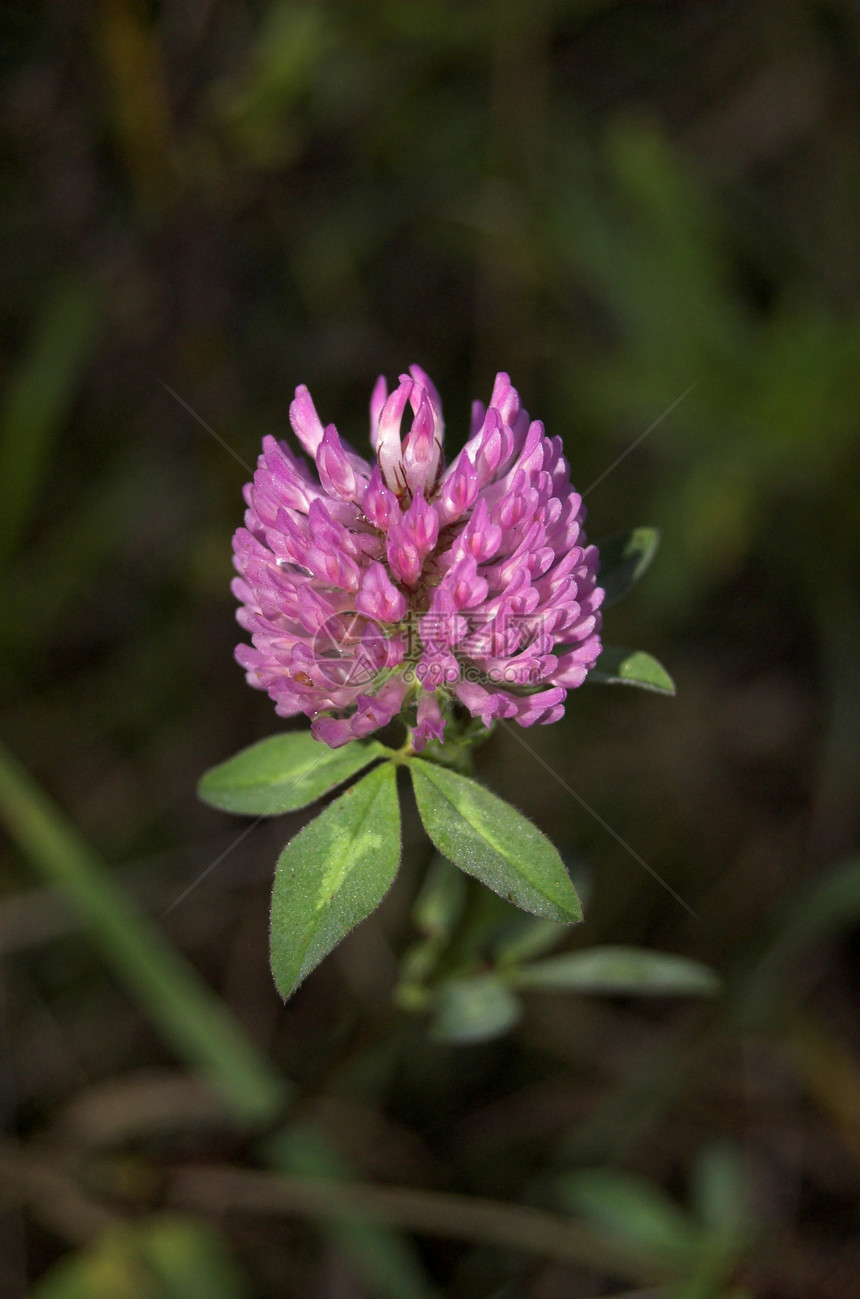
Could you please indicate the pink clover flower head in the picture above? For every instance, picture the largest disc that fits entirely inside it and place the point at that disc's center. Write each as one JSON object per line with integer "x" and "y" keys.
{"x": 402, "y": 586}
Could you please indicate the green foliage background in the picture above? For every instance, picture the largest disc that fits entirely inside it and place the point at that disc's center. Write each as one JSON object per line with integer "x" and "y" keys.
{"x": 622, "y": 204}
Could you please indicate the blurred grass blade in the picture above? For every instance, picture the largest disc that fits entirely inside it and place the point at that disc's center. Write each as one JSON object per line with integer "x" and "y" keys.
{"x": 526, "y": 937}
{"x": 257, "y": 108}
{"x": 199, "y": 1027}
{"x": 635, "y": 1210}
{"x": 219, "y": 1189}
{"x": 140, "y": 116}
{"x": 162, "y": 1257}
{"x": 383, "y": 1257}
{"x": 38, "y": 398}
{"x": 721, "y": 1194}
{"x": 441, "y": 899}
{"x": 61, "y": 566}
{"x": 831, "y": 1073}
{"x": 628, "y": 971}
{"x": 818, "y": 910}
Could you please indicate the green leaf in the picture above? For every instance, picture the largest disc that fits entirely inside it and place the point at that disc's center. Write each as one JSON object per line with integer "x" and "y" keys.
{"x": 826, "y": 906}
{"x": 333, "y": 874}
{"x": 634, "y": 1209}
{"x": 435, "y": 913}
{"x": 283, "y": 773}
{"x": 386, "y": 1260}
{"x": 38, "y": 398}
{"x": 192, "y": 1019}
{"x": 620, "y": 970}
{"x": 721, "y": 1193}
{"x": 623, "y": 559}
{"x": 440, "y": 901}
{"x": 491, "y": 840}
{"x": 525, "y": 938}
{"x": 631, "y": 668}
{"x": 474, "y": 1010}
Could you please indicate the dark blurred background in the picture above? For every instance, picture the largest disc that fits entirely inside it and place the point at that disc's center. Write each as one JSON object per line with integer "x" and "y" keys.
{"x": 613, "y": 202}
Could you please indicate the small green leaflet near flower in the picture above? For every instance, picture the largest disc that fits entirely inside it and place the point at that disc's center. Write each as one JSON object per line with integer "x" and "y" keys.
{"x": 623, "y": 560}
{"x": 623, "y": 667}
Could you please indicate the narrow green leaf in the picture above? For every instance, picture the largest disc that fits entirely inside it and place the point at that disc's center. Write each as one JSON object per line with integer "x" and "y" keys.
{"x": 383, "y": 1257}
{"x": 631, "y": 668}
{"x": 440, "y": 901}
{"x": 623, "y": 559}
{"x": 491, "y": 840}
{"x": 283, "y": 773}
{"x": 190, "y": 1259}
{"x": 721, "y": 1193}
{"x": 474, "y": 1010}
{"x": 525, "y": 938}
{"x": 634, "y": 1209}
{"x": 189, "y": 1016}
{"x": 38, "y": 397}
{"x": 624, "y": 970}
{"x": 827, "y": 906}
{"x": 333, "y": 874}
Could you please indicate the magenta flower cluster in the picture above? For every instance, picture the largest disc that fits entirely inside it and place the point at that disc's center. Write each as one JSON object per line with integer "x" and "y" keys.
{"x": 372, "y": 589}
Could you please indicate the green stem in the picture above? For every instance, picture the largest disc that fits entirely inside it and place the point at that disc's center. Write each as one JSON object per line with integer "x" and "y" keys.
{"x": 190, "y": 1016}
